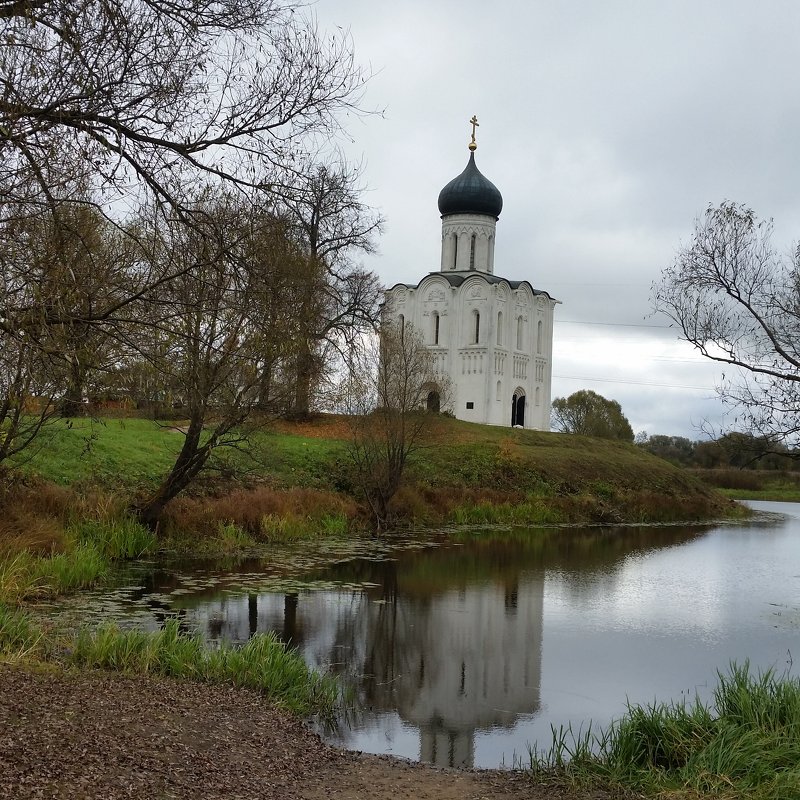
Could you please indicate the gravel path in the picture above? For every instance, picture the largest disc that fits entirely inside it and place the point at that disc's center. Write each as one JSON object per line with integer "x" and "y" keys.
{"x": 87, "y": 735}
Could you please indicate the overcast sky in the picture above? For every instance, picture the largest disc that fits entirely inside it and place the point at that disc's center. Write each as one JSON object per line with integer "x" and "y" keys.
{"x": 608, "y": 127}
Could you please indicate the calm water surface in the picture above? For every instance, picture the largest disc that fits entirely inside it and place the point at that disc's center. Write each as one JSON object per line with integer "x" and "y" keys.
{"x": 467, "y": 651}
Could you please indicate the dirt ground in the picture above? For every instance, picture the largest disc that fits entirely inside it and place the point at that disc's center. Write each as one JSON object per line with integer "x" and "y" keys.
{"x": 107, "y": 736}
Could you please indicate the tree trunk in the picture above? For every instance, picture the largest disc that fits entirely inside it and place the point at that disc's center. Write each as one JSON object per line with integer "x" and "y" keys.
{"x": 190, "y": 461}
{"x": 302, "y": 391}
{"x": 71, "y": 404}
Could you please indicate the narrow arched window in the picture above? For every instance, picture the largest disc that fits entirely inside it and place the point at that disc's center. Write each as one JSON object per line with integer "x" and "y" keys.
{"x": 519, "y": 333}
{"x": 401, "y": 323}
{"x": 539, "y": 337}
{"x": 499, "y": 327}
{"x": 472, "y": 251}
{"x": 477, "y": 326}
{"x": 455, "y": 251}
{"x": 491, "y": 254}
{"x": 435, "y": 327}
{"x": 499, "y": 390}
{"x": 537, "y": 395}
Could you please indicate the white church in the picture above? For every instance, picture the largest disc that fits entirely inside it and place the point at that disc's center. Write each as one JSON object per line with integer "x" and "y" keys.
{"x": 490, "y": 336}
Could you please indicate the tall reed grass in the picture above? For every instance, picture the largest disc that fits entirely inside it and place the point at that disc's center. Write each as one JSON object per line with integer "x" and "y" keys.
{"x": 81, "y": 567}
{"x": 746, "y": 745}
{"x": 528, "y": 512}
{"x": 20, "y": 636}
{"x": 115, "y": 539}
{"x": 264, "y": 663}
{"x": 83, "y": 559}
{"x": 24, "y": 576}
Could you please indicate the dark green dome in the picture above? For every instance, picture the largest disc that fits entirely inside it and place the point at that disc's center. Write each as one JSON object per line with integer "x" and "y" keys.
{"x": 470, "y": 193}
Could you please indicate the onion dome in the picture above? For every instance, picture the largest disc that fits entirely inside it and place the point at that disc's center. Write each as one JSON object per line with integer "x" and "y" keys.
{"x": 470, "y": 193}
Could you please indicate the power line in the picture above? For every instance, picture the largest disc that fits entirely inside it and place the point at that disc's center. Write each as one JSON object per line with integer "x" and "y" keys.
{"x": 677, "y": 360}
{"x": 633, "y": 383}
{"x": 614, "y": 324}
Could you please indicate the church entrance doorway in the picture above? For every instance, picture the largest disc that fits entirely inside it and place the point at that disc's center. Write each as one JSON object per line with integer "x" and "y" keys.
{"x": 433, "y": 402}
{"x": 518, "y": 409}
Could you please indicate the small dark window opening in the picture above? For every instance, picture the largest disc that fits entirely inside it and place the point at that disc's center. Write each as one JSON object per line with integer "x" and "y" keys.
{"x": 477, "y": 327}
{"x": 470, "y": 404}
{"x": 436, "y": 329}
{"x": 455, "y": 251}
{"x": 472, "y": 252}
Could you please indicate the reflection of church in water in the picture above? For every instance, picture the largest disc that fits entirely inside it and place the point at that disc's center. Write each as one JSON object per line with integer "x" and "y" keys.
{"x": 491, "y": 338}
{"x": 451, "y": 662}
{"x": 471, "y": 662}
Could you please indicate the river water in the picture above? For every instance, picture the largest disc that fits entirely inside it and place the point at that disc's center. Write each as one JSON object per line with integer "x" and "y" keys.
{"x": 464, "y": 648}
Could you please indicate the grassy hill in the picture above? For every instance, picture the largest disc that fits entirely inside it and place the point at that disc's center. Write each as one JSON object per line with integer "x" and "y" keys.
{"x": 464, "y": 473}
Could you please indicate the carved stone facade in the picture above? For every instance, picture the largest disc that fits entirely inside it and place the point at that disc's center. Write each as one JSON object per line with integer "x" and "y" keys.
{"x": 492, "y": 337}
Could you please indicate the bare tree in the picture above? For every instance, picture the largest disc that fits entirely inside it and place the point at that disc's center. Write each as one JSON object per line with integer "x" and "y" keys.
{"x": 61, "y": 263}
{"x": 162, "y": 92}
{"x": 28, "y": 394}
{"x": 738, "y": 302}
{"x": 388, "y": 419}
{"x": 139, "y": 101}
{"x": 286, "y": 286}
{"x": 64, "y": 265}
{"x": 340, "y": 300}
{"x": 207, "y": 349}
{"x": 132, "y": 104}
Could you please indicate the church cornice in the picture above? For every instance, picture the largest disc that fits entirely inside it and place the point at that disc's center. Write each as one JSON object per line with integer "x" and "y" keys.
{"x": 456, "y": 278}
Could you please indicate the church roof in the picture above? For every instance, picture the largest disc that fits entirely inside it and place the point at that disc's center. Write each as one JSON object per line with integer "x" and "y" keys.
{"x": 470, "y": 193}
{"x": 455, "y": 279}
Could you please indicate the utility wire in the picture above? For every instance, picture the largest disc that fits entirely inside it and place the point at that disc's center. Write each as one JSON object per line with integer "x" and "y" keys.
{"x": 613, "y": 324}
{"x": 634, "y": 383}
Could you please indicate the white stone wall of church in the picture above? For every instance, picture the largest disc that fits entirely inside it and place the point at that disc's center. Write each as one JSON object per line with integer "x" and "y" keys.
{"x": 462, "y": 227}
{"x": 475, "y": 368}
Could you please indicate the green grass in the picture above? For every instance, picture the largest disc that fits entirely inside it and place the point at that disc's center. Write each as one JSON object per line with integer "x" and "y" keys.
{"x": 291, "y": 527}
{"x": 82, "y": 567}
{"x": 528, "y": 512}
{"x": 583, "y": 480}
{"x": 92, "y": 546}
{"x": 746, "y": 745}
{"x": 109, "y": 452}
{"x": 122, "y": 538}
{"x": 264, "y": 663}
{"x": 138, "y": 452}
{"x": 20, "y": 637}
{"x": 24, "y": 576}
{"x": 293, "y": 460}
{"x": 751, "y": 484}
{"x": 789, "y": 494}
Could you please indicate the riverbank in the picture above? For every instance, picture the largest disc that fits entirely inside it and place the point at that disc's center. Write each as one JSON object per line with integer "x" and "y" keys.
{"x": 101, "y": 736}
{"x": 295, "y": 480}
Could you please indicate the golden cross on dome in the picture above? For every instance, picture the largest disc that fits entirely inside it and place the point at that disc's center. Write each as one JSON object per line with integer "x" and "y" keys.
{"x": 474, "y": 122}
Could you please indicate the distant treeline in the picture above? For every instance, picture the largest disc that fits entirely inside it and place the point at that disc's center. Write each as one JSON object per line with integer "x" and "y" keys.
{"x": 731, "y": 451}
